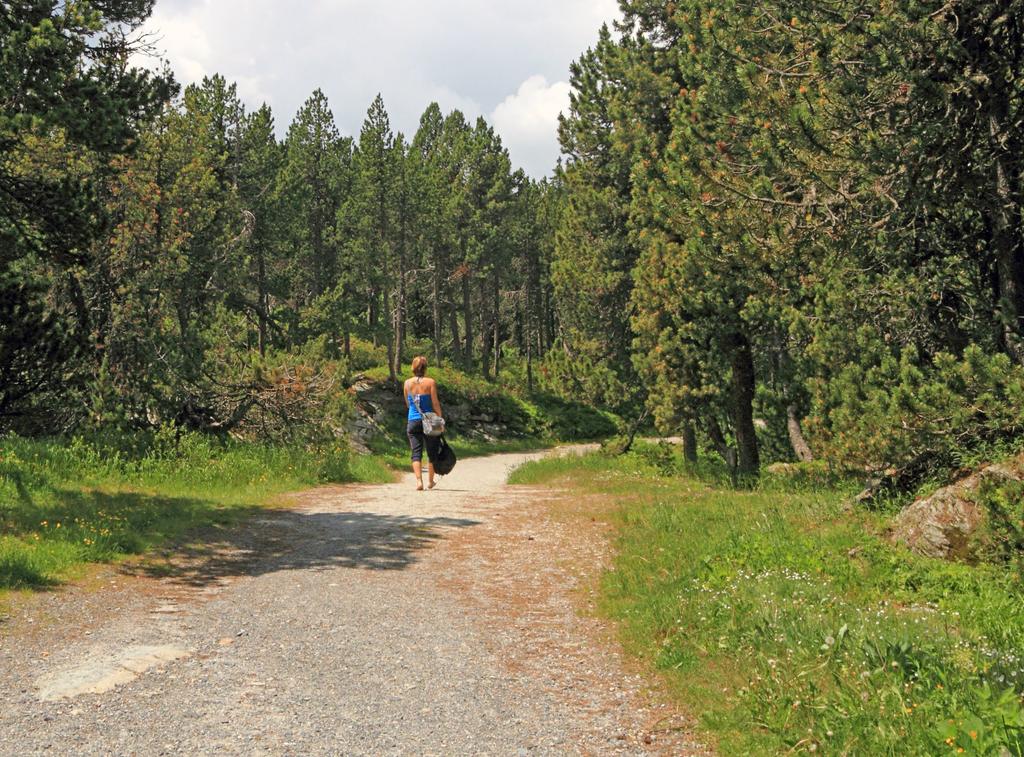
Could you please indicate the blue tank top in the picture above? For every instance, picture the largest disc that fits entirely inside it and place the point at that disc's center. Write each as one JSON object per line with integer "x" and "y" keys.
{"x": 426, "y": 405}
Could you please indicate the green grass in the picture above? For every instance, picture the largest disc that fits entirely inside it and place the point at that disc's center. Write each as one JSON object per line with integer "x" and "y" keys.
{"x": 65, "y": 503}
{"x": 786, "y": 623}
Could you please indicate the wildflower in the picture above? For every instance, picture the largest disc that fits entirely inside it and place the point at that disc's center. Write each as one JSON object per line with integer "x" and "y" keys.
{"x": 973, "y": 735}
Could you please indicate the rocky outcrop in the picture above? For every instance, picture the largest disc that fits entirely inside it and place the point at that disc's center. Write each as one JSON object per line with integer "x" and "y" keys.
{"x": 943, "y": 524}
{"x": 375, "y": 404}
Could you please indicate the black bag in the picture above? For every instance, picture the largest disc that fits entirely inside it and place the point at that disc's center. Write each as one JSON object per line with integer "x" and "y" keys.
{"x": 445, "y": 458}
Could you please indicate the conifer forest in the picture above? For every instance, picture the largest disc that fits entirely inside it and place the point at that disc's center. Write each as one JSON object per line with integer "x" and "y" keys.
{"x": 783, "y": 230}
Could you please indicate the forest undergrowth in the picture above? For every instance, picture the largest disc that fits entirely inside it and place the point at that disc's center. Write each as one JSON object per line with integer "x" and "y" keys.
{"x": 785, "y": 622}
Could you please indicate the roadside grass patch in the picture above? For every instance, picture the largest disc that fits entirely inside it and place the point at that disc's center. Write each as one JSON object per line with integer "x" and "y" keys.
{"x": 786, "y": 623}
{"x": 64, "y": 503}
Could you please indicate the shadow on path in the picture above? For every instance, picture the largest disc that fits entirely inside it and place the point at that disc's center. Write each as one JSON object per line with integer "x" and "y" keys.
{"x": 279, "y": 540}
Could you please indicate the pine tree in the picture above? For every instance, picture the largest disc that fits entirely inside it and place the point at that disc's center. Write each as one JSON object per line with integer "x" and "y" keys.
{"x": 372, "y": 207}
{"x": 593, "y": 254}
{"x": 432, "y": 237}
{"x": 261, "y": 162}
{"x": 310, "y": 191}
{"x": 68, "y": 105}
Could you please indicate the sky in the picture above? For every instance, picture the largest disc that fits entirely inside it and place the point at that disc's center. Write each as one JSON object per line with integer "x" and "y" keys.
{"x": 506, "y": 61}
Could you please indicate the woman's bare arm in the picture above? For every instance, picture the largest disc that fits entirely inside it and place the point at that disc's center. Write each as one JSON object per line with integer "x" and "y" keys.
{"x": 434, "y": 400}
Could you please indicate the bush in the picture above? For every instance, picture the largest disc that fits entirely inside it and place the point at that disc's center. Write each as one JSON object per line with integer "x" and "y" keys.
{"x": 901, "y": 410}
{"x": 1001, "y": 539}
{"x": 664, "y": 458}
{"x": 363, "y": 355}
{"x": 298, "y": 397}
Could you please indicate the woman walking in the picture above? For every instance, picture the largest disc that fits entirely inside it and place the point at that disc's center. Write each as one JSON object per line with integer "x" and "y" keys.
{"x": 421, "y": 397}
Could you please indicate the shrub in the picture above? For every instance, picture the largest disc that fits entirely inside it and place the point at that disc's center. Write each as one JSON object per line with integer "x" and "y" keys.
{"x": 364, "y": 355}
{"x": 298, "y": 397}
{"x": 902, "y": 409}
{"x": 1001, "y": 539}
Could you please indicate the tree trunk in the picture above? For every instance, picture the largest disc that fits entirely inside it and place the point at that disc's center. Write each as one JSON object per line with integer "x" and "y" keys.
{"x": 546, "y": 332}
{"x": 389, "y": 338}
{"x": 403, "y": 286}
{"x": 742, "y": 410}
{"x": 1006, "y": 242}
{"x": 371, "y": 316}
{"x": 262, "y": 299}
{"x": 527, "y": 341}
{"x": 689, "y": 443}
{"x": 721, "y": 445}
{"x": 453, "y": 323}
{"x": 467, "y": 322}
{"x": 400, "y": 316}
{"x": 529, "y": 365}
{"x": 486, "y": 321}
{"x": 435, "y": 309}
{"x": 801, "y": 448}
{"x": 496, "y": 323}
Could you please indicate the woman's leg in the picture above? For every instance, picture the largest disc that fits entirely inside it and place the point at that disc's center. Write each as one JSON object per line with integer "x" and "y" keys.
{"x": 415, "y": 433}
{"x": 433, "y": 445}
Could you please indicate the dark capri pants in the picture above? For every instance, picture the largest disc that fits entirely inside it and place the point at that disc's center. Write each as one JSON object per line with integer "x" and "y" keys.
{"x": 418, "y": 440}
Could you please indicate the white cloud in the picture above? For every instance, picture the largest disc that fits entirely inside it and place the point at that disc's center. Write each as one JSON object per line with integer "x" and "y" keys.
{"x": 528, "y": 121}
{"x": 468, "y": 54}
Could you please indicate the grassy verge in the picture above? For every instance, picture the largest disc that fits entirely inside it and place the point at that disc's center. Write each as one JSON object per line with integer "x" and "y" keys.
{"x": 787, "y": 624}
{"x": 67, "y": 503}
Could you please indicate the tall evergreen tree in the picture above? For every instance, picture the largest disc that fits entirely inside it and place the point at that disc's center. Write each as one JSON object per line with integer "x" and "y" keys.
{"x": 372, "y": 205}
{"x": 593, "y": 254}
{"x": 310, "y": 191}
{"x": 261, "y": 162}
{"x": 427, "y": 176}
{"x": 68, "y": 104}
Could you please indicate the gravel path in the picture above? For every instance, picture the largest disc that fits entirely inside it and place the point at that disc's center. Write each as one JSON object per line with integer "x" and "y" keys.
{"x": 353, "y": 620}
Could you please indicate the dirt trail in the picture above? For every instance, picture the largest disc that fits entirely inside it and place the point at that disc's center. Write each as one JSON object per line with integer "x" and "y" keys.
{"x": 351, "y": 620}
